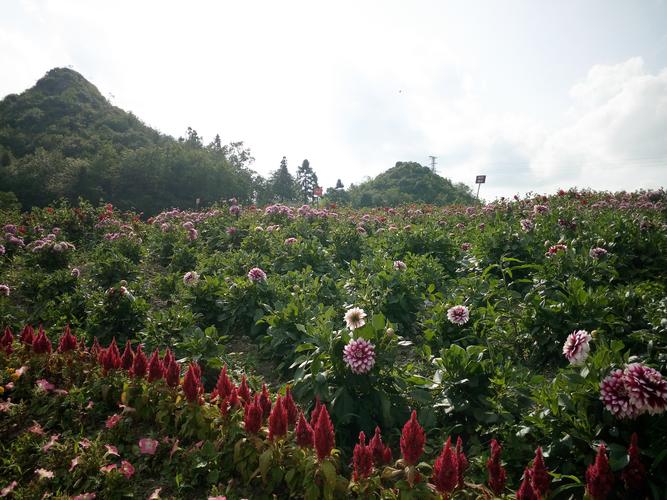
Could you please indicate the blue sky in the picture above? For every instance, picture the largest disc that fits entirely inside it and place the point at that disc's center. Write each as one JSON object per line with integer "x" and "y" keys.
{"x": 536, "y": 94}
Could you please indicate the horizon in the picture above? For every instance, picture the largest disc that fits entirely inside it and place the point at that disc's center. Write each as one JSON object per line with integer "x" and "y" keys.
{"x": 488, "y": 90}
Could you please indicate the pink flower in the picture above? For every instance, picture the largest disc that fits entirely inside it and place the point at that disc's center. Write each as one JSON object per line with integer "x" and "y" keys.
{"x": 52, "y": 440}
{"x": 614, "y": 394}
{"x": 45, "y": 385}
{"x": 527, "y": 225}
{"x": 36, "y": 429}
{"x": 113, "y": 420}
{"x": 290, "y": 241}
{"x": 8, "y": 489}
{"x": 597, "y": 253}
{"x": 577, "y": 347}
{"x": 4, "y": 290}
{"x": 75, "y": 272}
{"x": 190, "y": 278}
{"x": 156, "y": 494}
{"x": 74, "y": 463}
{"x": 85, "y": 496}
{"x": 354, "y": 318}
{"x": 459, "y": 315}
{"x": 554, "y": 249}
{"x": 85, "y": 443}
{"x": 148, "y": 446}
{"x": 111, "y": 450}
{"x": 108, "y": 468}
{"x": 44, "y": 473}
{"x": 399, "y": 265}
{"x": 466, "y": 246}
{"x": 256, "y": 275}
{"x": 126, "y": 469}
{"x": 646, "y": 388}
{"x": 359, "y": 355}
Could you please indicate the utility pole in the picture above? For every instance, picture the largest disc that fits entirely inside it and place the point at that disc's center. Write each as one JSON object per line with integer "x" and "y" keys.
{"x": 433, "y": 158}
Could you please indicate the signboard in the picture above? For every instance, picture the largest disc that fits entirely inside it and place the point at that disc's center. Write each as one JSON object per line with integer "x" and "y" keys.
{"x": 317, "y": 191}
{"x": 480, "y": 179}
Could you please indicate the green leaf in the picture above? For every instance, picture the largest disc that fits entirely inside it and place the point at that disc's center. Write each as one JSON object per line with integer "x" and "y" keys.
{"x": 265, "y": 460}
{"x": 329, "y": 472}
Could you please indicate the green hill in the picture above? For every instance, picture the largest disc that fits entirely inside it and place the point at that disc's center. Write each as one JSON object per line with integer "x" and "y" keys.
{"x": 63, "y": 139}
{"x": 409, "y": 182}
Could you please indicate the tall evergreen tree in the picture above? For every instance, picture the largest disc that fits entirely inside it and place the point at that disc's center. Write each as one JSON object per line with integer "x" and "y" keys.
{"x": 282, "y": 183}
{"x": 306, "y": 179}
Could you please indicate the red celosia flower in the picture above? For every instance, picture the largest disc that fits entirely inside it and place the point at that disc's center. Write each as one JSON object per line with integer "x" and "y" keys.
{"x": 127, "y": 359}
{"x": 412, "y": 440}
{"x": 541, "y": 481}
{"x": 497, "y": 474}
{"x": 463, "y": 460}
{"x": 278, "y": 420}
{"x": 95, "y": 348}
{"x": 362, "y": 459}
{"x": 140, "y": 364}
{"x": 224, "y": 386}
{"x": 446, "y": 469}
{"x": 192, "y": 383}
{"x": 599, "y": 478}
{"x": 67, "y": 341}
{"x": 168, "y": 358}
{"x": 634, "y": 474}
{"x": 155, "y": 368}
{"x": 265, "y": 401}
{"x": 252, "y": 417}
{"x": 28, "y": 335}
{"x": 233, "y": 399}
{"x": 41, "y": 344}
{"x": 173, "y": 374}
{"x": 111, "y": 359}
{"x": 305, "y": 437}
{"x": 7, "y": 340}
{"x": 379, "y": 449}
{"x": 290, "y": 407}
{"x": 526, "y": 490}
{"x": 244, "y": 390}
{"x": 324, "y": 434}
{"x": 316, "y": 412}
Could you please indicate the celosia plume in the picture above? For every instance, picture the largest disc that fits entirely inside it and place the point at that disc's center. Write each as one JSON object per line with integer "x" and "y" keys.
{"x": 6, "y": 341}
{"x": 290, "y": 407}
{"x": 278, "y": 419}
{"x": 28, "y": 335}
{"x": 224, "y": 385}
{"x": 463, "y": 461}
{"x": 324, "y": 434}
{"x": 67, "y": 341}
{"x": 381, "y": 452}
{"x": 526, "y": 491}
{"x": 41, "y": 344}
{"x": 173, "y": 374}
{"x": 155, "y": 368}
{"x": 362, "y": 459}
{"x": 496, "y": 472}
{"x": 446, "y": 469}
{"x": 305, "y": 436}
{"x": 111, "y": 359}
{"x": 140, "y": 364}
{"x": 244, "y": 390}
{"x": 192, "y": 383}
{"x": 599, "y": 478}
{"x": 634, "y": 474}
{"x": 265, "y": 401}
{"x": 252, "y": 418}
{"x": 127, "y": 359}
{"x": 412, "y": 440}
{"x": 541, "y": 481}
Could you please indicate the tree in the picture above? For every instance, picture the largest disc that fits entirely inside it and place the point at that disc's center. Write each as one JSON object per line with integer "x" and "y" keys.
{"x": 282, "y": 183}
{"x": 306, "y": 179}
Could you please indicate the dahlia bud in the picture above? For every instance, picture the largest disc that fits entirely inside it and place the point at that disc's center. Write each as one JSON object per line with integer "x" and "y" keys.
{"x": 6, "y": 341}
{"x": 324, "y": 434}
{"x": 252, "y": 418}
{"x": 278, "y": 420}
{"x": 446, "y": 469}
{"x": 634, "y": 474}
{"x": 305, "y": 437}
{"x": 526, "y": 491}
{"x": 497, "y": 474}
{"x": 244, "y": 390}
{"x": 192, "y": 383}
{"x": 173, "y": 375}
{"x": 362, "y": 459}
{"x": 541, "y": 481}
{"x": 127, "y": 359}
{"x": 290, "y": 407}
{"x": 599, "y": 478}
{"x": 41, "y": 344}
{"x": 155, "y": 368}
{"x": 28, "y": 335}
{"x": 67, "y": 341}
{"x": 140, "y": 364}
{"x": 412, "y": 440}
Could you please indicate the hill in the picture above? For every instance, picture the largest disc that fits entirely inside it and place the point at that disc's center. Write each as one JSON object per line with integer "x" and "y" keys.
{"x": 63, "y": 139}
{"x": 409, "y": 182}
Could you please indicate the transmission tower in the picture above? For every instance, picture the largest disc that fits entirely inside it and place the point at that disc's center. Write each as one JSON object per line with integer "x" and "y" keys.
{"x": 433, "y": 158}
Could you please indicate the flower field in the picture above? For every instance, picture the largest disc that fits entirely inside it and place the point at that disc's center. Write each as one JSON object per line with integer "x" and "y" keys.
{"x": 516, "y": 349}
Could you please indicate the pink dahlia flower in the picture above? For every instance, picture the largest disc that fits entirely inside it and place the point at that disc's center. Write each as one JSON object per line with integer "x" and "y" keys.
{"x": 399, "y": 265}
{"x": 4, "y": 290}
{"x": 359, "y": 355}
{"x": 597, "y": 253}
{"x": 646, "y": 388}
{"x": 554, "y": 249}
{"x": 355, "y": 318}
{"x": 190, "y": 278}
{"x": 614, "y": 395}
{"x": 527, "y": 225}
{"x": 576, "y": 347}
{"x": 459, "y": 315}
{"x": 256, "y": 274}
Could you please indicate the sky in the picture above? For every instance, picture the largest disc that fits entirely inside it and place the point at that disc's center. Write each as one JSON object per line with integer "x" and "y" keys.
{"x": 536, "y": 95}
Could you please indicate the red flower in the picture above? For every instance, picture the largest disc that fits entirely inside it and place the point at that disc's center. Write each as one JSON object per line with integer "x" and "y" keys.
{"x": 224, "y": 386}
{"x": 599, "y": 478}
{"x": 463, "y": 460}
{"x": 173, "y": 374}
{"x": 192, "y": 383}
{"x": 541, "y": 481}
{"x": 290, "y": 407}
{"x": 168, "y": 358}
{"x": 28, "y": 335}
{"x": 111, "y": 359}
{"x": 526, "y": 491}
{"x": 252, "y": 417}
{"x": 316, "y": 412}
{"x": 324, "y": 434}
{"x": 6, "y": 341}
{"x": 41, "y": 344}
{"x": 362, "y": 459}
{"x": 140, "y": 364}
{"x": 233, "y": 399}
{"x": 634, "y": 474}
{"x": 265, "y": 401}
{"x": 95, "y": 348}
{"x": 446, "y": 469}
{"x": 497, "y": 474}
{"x": 379, "y": 449}
{"x": 155, "y": 368}
{"x": 278, "y": 420}
{"x": 127, "y": 359}
{"x": 244, "y": 390}
{"x": 305, "y": 437}
{"x": 412, "y": 440}
{"x": 67, "y": 341}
